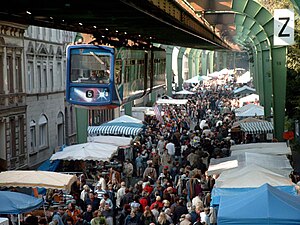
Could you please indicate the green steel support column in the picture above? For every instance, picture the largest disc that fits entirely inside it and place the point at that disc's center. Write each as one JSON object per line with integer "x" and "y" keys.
{"x": 128, "y": 108}
{"x": 252, "y": 73}
{"x": 211, "y": 61}
{"x": 197, "y": 62}
{"x": 82, "y": 124}
{"x": 191, "y": 63}
{"x": 153, "y": 96}
{"x": 256, "y": 77}
{"x": 179, "y": 67}
{"x": 204, "y": 63}
{"x": 217, "y": 59}
{"x": 267, "y": 83}
{"x": 224, "y": 57}
{"x": 234, "y": 59}
{"x": 279, "y": 89}
{"x": 169, "y": 72}
{"x": 260, "y": 78}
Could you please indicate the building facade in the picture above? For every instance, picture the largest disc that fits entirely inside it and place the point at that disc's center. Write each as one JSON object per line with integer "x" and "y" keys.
{"x": 50, "y": 120}
{"x": 13, "y": 146}
{"x": 34, "y": 117}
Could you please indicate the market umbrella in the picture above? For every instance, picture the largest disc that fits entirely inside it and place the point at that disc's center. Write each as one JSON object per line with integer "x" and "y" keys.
{"x": 17, "y": 203}
{"x": 87, "y": 151}
{"x": 32, "y": 178}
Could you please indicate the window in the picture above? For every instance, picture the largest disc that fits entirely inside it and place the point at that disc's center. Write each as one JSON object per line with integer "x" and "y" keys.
{"x": 51, "y": 77}
{"x": 32, "y": 136}
{"x": 39, "y": 77}
{"x": 43, "y": 132}
{"x": 30, "y": 76}
{"x": 59, "y": 76}
{"x": 44, "y": 78}
{"x": 10, "y": 74}
{"x": 12, "y": 123}
{"x": 19, "y": 74}
{"x": 21, "y": 135}
{"x": 60, "y": 129}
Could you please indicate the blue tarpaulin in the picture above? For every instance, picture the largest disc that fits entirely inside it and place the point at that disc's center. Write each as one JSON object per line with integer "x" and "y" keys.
{"x": 264, "y": 206}
{"x": 17, "y": 203}
{"x": 217, "y": 193}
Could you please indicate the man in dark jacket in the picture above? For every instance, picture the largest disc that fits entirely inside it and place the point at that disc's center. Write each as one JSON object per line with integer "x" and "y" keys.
{"x": 179, "y": 211}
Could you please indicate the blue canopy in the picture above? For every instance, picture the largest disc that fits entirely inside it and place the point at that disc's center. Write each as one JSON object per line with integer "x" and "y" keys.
{"x": 264, "y": 205}
{"x": 218, "y": 193}
{"x": 17, "y": 203}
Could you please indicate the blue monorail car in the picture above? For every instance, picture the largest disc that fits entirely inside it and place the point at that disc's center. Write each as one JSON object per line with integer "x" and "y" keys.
{"x": 107, "y": 77}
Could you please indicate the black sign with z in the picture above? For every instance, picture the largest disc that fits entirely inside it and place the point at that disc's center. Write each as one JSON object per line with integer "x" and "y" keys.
{"x": 281, "y": 34}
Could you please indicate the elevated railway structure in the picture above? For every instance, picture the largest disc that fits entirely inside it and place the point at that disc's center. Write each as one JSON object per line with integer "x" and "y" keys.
{"x": 214, "y": 25}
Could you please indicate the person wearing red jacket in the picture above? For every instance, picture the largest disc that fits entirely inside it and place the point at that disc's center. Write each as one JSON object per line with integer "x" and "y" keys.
{"x": 144, "y": 200}
{"x": 158, "y": 202}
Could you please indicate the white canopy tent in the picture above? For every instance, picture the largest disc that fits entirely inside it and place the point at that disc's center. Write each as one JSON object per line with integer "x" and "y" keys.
{"x": 250, "y": 176}
{"x": 249, "y": 98}
{"x": 276, "y": 163}
{"x": 215, "y": 74}
{"x": 87, "y": 151}
{"x": 32, "y": 179}
{"x": 244, "y": 108}
{"x": 250, "y": 110}
{"x": 172, "y": 101}
{"x": 273, "y": 148}
{"x": 4, "y": 221}
{"x": 244, "y": 90}
{"x": 112, "y": 140}
{"x": 197, "y": 79}
{"x": 244, "y": 78}
{"x": 125, "y": 119}
{"x": 184, "y": 92}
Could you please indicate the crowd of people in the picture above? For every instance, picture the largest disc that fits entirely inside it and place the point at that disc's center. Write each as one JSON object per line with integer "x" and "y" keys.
{"x": 165, "y": 182}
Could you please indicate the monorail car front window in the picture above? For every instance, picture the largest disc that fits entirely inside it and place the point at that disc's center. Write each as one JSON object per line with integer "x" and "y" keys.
{"x": 90, "y": 68}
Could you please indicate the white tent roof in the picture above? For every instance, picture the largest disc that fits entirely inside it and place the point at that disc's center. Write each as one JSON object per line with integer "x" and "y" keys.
{"x": 244, "y": 78}
{"x": 32, "y": 178}
{"x": 245, "y": 108}
{"x": 250, "y": 110}
{"x": 172, "y": 101}
{"x": 273, "y": 148}
{"x": 276, "y": 163}
{"x": 244, "y": 89}
{"x": 87, "y": 151}
{"x": 4, "y": 221}
{"x": 112, "y": 140}
{"x": 184, "y": 92}
{"x": 249, "y": 98}
{"x": 125, "y": 119}
{"x": 197, "y": 79}
{"x": 215, "y": 74}
{"x": 249, "y": 177}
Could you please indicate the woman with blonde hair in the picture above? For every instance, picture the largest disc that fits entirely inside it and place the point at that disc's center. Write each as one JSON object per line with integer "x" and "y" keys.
{"x": 147, "y": 218}
{"x": 162, "y": 219}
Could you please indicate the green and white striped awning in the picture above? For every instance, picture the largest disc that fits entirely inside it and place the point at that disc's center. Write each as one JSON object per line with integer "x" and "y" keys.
{"x": 257, "y": 127}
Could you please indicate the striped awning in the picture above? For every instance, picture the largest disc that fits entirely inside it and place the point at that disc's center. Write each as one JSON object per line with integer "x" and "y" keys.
{"x": 257, "y": 127}
{"x": 122, "y": 130}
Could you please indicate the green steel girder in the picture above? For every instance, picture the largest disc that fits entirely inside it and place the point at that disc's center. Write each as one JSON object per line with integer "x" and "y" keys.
{"x": 179, "y": 66}
{"x": 275, "y": 57}
{"x": 296, "y": 4}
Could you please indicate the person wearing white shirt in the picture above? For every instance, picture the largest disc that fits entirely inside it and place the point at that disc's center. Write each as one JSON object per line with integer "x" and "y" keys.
{"x": 102, "y": 182}
{"x": 120, "y": 194}
{"x": 204, "y": 216}
{"x": 171, "y": 148}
